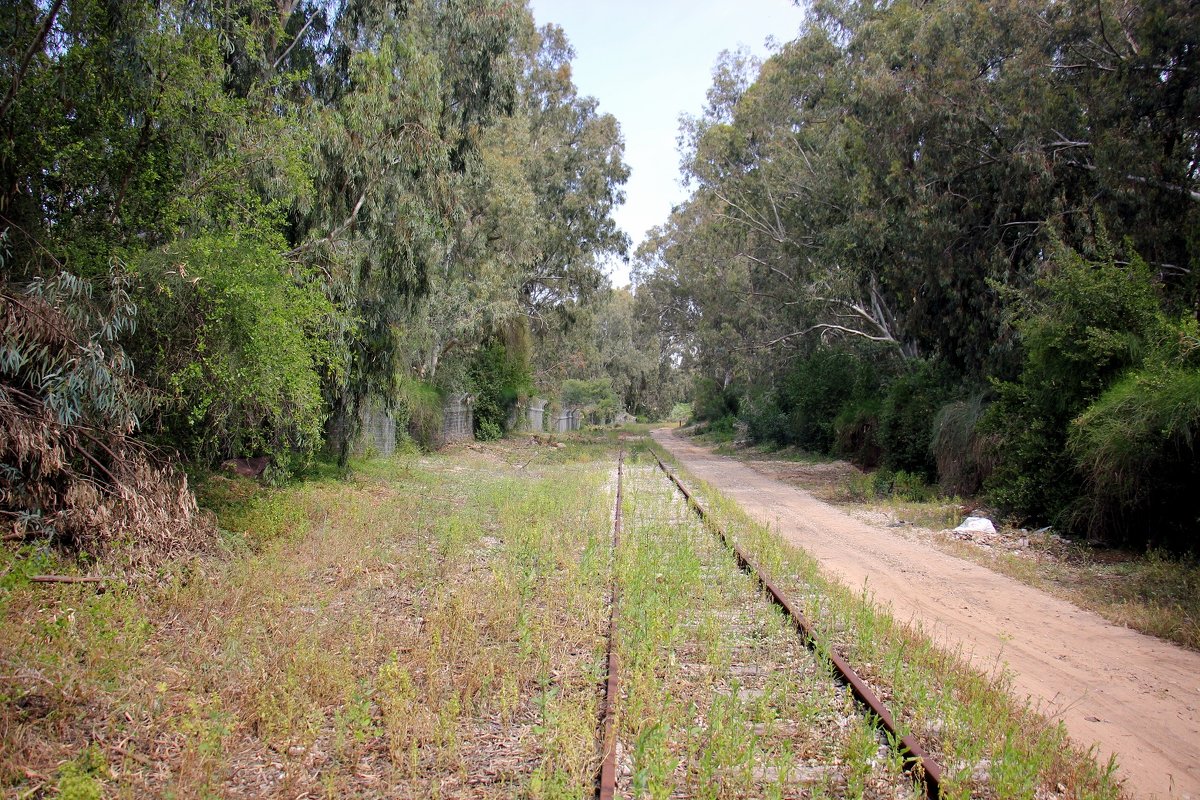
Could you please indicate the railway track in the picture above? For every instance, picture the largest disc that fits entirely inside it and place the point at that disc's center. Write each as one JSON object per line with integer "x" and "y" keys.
{"x": 713, "y": 559}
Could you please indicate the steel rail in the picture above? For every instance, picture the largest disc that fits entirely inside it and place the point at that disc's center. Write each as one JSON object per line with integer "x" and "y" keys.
{"x": 923, "y": 768}
{"x": 606, "y": 784}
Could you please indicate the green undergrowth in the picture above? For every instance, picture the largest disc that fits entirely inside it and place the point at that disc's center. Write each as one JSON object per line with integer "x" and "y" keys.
{"x": 990, "y": 744}
{"x": 720, "y": 697}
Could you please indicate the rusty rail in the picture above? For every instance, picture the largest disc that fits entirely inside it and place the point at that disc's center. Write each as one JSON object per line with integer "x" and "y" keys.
{"x": 606, "y": 785}
{"x": 923, "y": 768}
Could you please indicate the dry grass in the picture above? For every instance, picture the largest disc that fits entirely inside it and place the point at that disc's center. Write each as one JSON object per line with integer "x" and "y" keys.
{"x": 430, "y": 628}
{"x": 434, "y": 627}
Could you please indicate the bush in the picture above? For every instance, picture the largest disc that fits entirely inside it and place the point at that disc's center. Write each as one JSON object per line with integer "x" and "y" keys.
{"x": 419, "y": 412}
{"x": 910, "y": 486}
{"x": 488, "y": 431}
{"x": 906, "y": 419}
{"x": 1086, "y": 322}
{"x": 816, "y": 390}
{"x": 499, "y": 377}
{"x": 765, "y": 422}
{"x": 1136, "y": 450}
{"x": 964, "y": 456}
{"x": 236, "y": 345}
{"x": 856, "y": 432}
{"x": 884, "y": 483}
{"x": 712, "y": 401}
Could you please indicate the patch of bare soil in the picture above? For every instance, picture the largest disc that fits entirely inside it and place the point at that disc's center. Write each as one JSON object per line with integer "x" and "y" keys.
{"x": 1132, "y": 696}
{"x": 822, "y": 477}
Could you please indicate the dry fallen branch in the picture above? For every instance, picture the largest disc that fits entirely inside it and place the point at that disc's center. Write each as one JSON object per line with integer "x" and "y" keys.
{"x": 68, "y": 579}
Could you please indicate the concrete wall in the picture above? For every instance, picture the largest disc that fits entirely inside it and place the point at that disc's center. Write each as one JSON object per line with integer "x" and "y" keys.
{"x": 535, "y": 414}
{"x": 458, "y": 418}
{"x": 377, "y": 434}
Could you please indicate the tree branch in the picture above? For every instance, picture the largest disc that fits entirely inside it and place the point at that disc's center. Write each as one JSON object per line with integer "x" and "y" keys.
{"x": 36, "y": 45}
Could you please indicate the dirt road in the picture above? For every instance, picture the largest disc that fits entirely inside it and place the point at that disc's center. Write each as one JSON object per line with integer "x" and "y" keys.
{"x": 1127, "y": 693}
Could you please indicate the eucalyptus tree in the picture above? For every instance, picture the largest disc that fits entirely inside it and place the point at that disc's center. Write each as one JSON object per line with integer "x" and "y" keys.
{"x": 404, "y": 90}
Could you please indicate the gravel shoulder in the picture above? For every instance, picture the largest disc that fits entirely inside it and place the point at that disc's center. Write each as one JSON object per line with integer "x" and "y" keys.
{"x": 1128, "y": 694}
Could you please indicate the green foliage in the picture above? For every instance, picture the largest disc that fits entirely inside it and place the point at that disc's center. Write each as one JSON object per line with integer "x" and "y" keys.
{"x": 488, "y": 431}
{"x": 81, "y": 778}
{"x": 906, "y": 418}
{"x": 940, "y": 180}
{"x": 499, "y": 378}
{"x": 319, "y": 202}
{"x": 1085, "y": 323}
{"x": 712, "y": 401}
{"x": 240, "y": 343}
{"x": 856, "y": 429}
{"x": 883, "y": 484}
{"x": 419, "y": 411}
{"x": 817, "y": 388}
{"x": 1136, "y": 448}
{"x": 765, "y": 422}
{"x": 680, "y": 412}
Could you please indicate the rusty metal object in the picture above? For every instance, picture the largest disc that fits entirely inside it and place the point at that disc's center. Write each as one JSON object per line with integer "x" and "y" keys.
{"x": 927, "y": 771}
{"x": 606, "y": 787}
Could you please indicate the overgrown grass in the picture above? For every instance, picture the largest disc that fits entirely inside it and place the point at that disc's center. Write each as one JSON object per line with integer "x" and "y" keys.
{"x": 434, "y": 626}
{"x": 721, "y": 699}
{"x": 430, "y": 627}
{"x": 991, "y": 745}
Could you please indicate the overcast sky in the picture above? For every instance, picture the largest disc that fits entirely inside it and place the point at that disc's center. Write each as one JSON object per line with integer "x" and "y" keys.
{"x": 647, "y": 62}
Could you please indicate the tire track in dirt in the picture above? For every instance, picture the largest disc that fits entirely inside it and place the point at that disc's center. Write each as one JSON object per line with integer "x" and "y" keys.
{"x": 1126, "y": 693}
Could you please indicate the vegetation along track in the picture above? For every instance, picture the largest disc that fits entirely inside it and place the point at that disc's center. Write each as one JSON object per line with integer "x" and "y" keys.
{"x": 717, "y": 695}
{"x": 923, "y": 767}
{"x": 340, "y": 648}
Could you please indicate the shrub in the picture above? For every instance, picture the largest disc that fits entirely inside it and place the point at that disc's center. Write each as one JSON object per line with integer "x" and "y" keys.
{"x": 856, "y": 432}
{"x": 1085, "y": 323}
{"x": 419, "y": 412}
{"x": 1136, "y": 450}
{"x": 963, "y": 455}
{"x": 910, "y": 486}
{"x": 488, "y": 431}
{"x": 906, "y": 419}
{"x": 712, "y": 401}
{"x": 236, "y": 344}
{"x": 765, "y": 422}
{"x": 499, "y": 376}
{"x": 815, "y": 391}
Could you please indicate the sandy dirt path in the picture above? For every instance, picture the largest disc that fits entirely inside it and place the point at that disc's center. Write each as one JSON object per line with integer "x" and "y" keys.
{"x": 1127, "y": 693}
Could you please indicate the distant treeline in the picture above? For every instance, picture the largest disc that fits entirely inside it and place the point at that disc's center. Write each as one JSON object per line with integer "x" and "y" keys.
{"x": 962, "y": 240}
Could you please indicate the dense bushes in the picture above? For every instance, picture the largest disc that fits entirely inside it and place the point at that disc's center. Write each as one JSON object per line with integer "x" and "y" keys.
{"x": 238, "y": 347}
{"x": 1135, "y": 449}
{"x": 1097, "y": 432}
{"x": 499, "y": 377}
{"x": 1086, "y": 322}
{"x": 906, "y": 419}
{"x": 712, "y": 401}
{"x": 816, "y": 390}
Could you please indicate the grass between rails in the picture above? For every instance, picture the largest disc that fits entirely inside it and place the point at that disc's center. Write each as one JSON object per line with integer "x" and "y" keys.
{"x": 721, "y": 699}
{"x": 431, "y": 628}
{"x": 990, "y": 745}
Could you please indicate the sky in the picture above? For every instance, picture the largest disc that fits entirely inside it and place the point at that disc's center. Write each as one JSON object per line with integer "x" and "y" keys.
{"x": 649, "y": 61}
